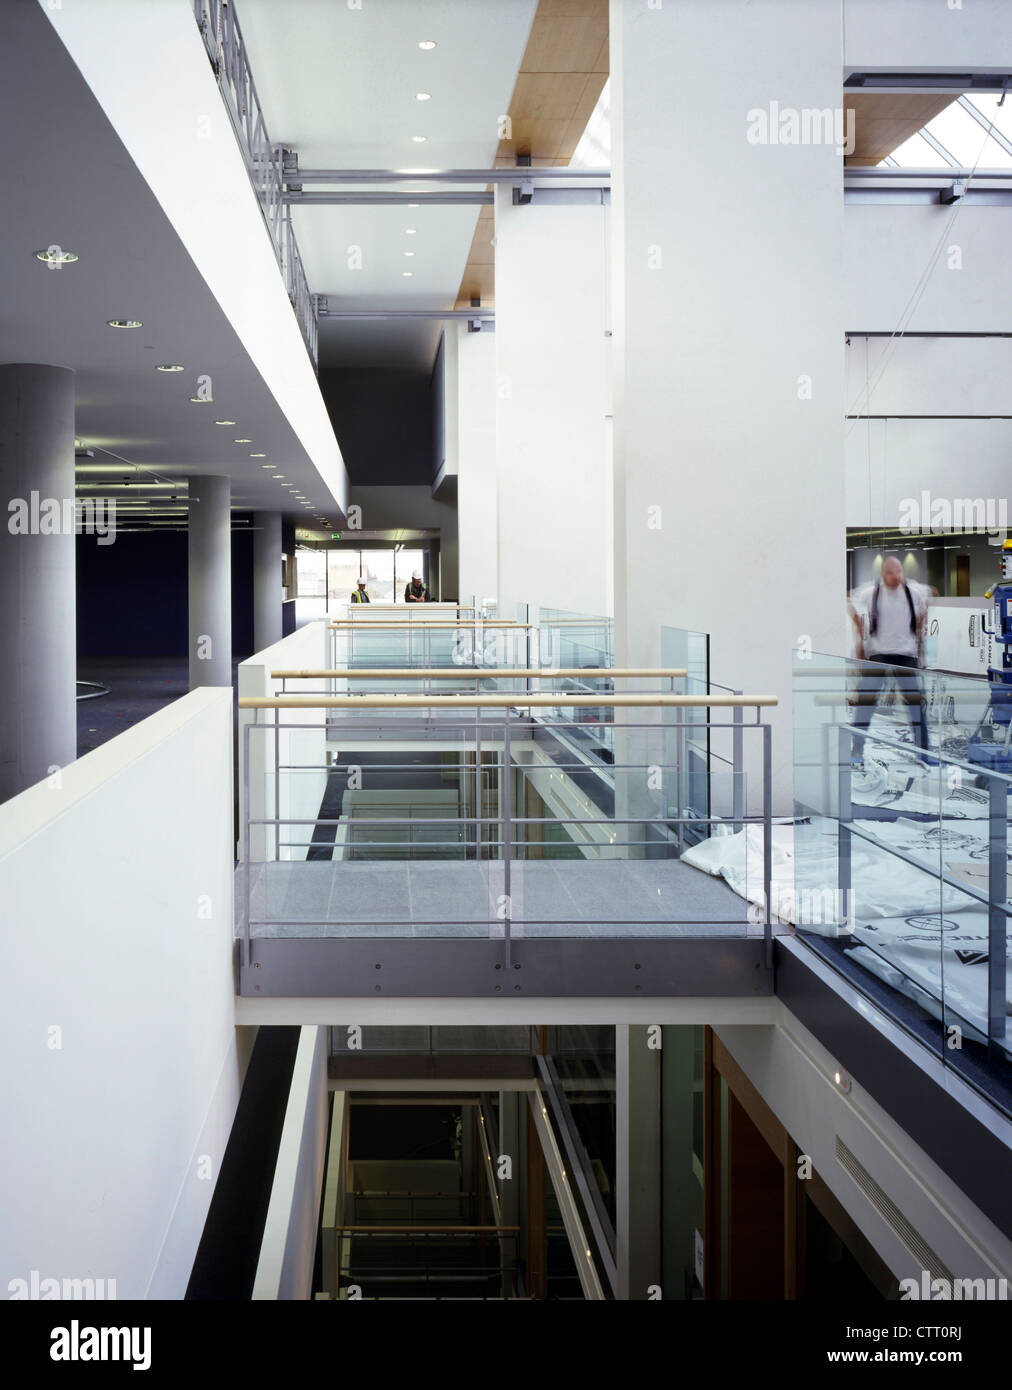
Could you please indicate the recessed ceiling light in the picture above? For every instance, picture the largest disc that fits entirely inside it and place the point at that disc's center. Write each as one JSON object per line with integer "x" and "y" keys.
{"x": 423, "y": 96}
{"x": 244, "y": 441}
{"x": 224, "y": 422}
{"x": 55, "y": 255}
{"x": 170, "y": 367}
{"x": 202, "y": 400}
{"x": 258, "y": 456}
{"x": 124, "y": 323}
{"x": 409, "y": 253}
{"x": 264, "y": 465}
{"x": 411, "y": 231}
{"x": 413, "y": 205}
{"x": 419, "y": 139}
{"x": 427, "y": 44}
{"x": 407, "y": 273}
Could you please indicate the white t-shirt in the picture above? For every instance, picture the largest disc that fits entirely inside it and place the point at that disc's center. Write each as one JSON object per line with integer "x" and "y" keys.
{"x": 893, "y": 635}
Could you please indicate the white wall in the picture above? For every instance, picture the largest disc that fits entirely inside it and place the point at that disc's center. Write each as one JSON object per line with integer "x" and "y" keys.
{"x": 553, "y": 398}
{"x": 729, "y": 388}
{"x": 889, "y": 247}
{"x": 477, "y": 501}
{"x": 300, "y": 794}
{"x": 958, "y": 35}
{"x": 889, "y": 460}
{"x": 793, "y": 1074}
{"x": 288, "y": 1249}
{"x": 192, "y": 161}
{"x": 119, "y": 1064}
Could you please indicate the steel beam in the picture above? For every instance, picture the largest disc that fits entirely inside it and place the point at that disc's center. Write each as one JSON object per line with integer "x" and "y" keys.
{"x": 444, "y": 175}
{"x": 674, "y": 967}
{"x": 380, "y": 315}
{"x": 426, "y": 199}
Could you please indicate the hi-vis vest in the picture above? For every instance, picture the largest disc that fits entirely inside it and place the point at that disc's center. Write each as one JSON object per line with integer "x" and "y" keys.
{"x": 359, "y": 596}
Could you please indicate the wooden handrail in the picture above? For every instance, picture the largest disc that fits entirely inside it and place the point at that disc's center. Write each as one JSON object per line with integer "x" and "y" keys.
{"x": 435, "y": 622}
{"x": 444, "y": 673}
{"x": 519, "y": 698}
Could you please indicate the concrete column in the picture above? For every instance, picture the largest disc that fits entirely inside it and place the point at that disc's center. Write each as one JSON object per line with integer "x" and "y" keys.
{"x": 552, "y": 402}
{"x": 210, "y": 575}
{"x": 38, "y": 639}
{"x": 637, "y": 1161}
{"x": 477, "y": 503}
{"x": 266, "y": 579}
{"x": 728, "y": 340}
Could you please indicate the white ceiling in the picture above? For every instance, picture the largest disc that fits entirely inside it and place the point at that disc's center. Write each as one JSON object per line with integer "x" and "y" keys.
{"x": 339, "y": 85}
{"x": 70, "y": 181}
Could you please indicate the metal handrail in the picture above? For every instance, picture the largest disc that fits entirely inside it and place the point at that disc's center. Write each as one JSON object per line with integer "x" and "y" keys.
{"x": 264, "y": 162}
{"x": 354, "y": 625}
{"x": 484, "y": 673}
{"x": 467, "y": 701}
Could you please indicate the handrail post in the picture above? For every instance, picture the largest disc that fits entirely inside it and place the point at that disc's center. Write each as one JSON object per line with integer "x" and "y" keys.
{"x": 843, "y": 851}
{"x": 477, "y": 784}
{"x": 277, "y": 783}
{"x": 768, "y": 840}
{"x": 997, "y": 923}
{"x": 246, "y": 840}
{"x": 737, "y": 790}
{"x": 507, "y": 836}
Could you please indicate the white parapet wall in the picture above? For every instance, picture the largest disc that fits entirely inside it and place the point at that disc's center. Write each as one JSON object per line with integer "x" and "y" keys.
{"x": 288, "y": 1249}
{"x": 120, "y": 1063}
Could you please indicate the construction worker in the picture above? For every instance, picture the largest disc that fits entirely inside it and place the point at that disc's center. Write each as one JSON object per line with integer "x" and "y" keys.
{"x": 416, "y": 591}
{"x": 360, "y": 595}
{"x": 893, "y": 636}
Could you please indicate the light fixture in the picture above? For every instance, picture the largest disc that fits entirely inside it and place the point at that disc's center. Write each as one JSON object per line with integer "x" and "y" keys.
{"x": 244, "y": 441}
{"x": 413, "y": 205}
{"x": 427, "y": 44}
{"x": 409, "y": 253}
{"x": 124, "y": 323}
{"x": 277, "y": 475}
{"x": 423, "y": 96}
{"x": 170, "y": 367}
{"x": 263, "y": 465}
{"x": 258, "y": 456}
{"x": 411, "y": 231}
{"x": 419, "y": 139}
{"x": 843, "y": 1081}
{"x": 407, "y": 273}
{"x": 202, "y": 400}
{"x": 55, "y": 255}
{"x": 224, "y": 422}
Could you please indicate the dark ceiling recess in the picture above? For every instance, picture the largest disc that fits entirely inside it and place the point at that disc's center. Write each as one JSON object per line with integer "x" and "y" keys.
{"x": 383, "y": 422}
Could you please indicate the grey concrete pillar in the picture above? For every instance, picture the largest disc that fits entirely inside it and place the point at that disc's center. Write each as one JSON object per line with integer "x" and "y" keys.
{"x": 38, "y": 711}
{"x": 210, "y": 581}
{"x": 638, "y": 1161}
{"x": 266, "y": 579}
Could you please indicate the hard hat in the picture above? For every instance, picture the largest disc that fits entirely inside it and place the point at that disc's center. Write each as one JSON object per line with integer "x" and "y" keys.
{"x": 361, "y": 583}
{"x": 415, "y": 574}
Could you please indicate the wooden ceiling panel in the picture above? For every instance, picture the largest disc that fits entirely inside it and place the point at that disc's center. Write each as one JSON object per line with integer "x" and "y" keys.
{"x": 564, "y": 68}
{"x": 885, "y": 120}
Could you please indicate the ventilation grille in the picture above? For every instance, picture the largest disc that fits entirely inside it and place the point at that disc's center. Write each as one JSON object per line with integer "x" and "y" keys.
{"x": 890, "y": 1213}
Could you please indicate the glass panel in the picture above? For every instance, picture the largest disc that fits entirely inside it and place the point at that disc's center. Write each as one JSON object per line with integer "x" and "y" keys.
{"x": 406, "y": 562}
{"x": 914, "y": 847}
{"x": 378, "y": 569}
{"x": 311, "y": 573}
{"x": 343, "y": 569}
